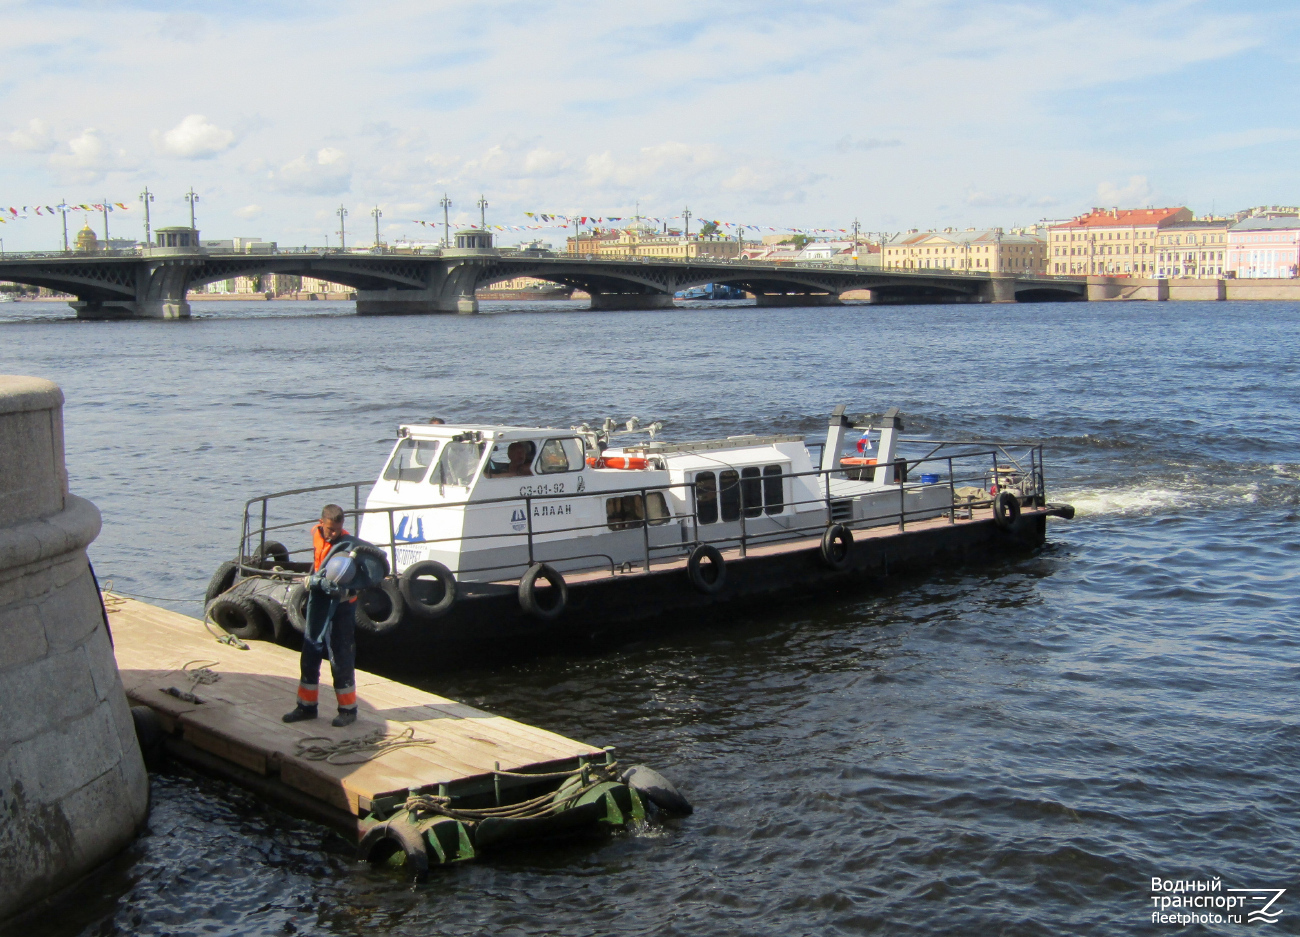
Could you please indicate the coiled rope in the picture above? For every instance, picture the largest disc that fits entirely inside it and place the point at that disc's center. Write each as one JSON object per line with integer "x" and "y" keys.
{"x": 422, "y": 806}
{"x": 356, "y": 751}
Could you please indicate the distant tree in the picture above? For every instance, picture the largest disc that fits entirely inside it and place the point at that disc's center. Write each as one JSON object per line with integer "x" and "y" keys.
{"x": 708, "y": 229}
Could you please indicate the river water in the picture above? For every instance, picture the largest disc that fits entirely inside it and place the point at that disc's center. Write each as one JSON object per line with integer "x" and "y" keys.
{"x": 1013, "y": 748}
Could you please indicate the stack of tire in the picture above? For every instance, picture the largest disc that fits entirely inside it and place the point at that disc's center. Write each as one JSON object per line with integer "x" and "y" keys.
{"x": 273, "y": 606}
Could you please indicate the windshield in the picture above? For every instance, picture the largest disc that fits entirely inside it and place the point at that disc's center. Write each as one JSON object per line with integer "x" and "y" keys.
{"x": 458, "y": 464}
{"x": 411, "y": 460}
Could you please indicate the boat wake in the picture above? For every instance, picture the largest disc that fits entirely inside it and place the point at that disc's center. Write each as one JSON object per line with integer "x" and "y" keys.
{"x": 1156, "y": 499}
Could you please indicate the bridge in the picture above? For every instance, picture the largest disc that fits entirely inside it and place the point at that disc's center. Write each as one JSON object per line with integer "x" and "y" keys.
{"x": 152, "y": 283}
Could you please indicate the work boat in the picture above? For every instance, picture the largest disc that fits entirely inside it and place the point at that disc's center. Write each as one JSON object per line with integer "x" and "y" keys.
{"x": 499, "y": 534}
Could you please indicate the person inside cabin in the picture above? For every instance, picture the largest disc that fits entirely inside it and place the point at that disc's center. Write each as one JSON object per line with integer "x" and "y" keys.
{"x": 339, "y": 637}
{"x": 437, "y": 421}
{"x": 521, "y": 455}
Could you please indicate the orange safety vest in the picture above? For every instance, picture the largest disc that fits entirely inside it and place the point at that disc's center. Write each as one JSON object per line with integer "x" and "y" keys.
{"x": 321, "y": 546}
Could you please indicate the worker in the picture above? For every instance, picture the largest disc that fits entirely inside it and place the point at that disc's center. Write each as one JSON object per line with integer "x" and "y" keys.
{"x": 331, "y": 631}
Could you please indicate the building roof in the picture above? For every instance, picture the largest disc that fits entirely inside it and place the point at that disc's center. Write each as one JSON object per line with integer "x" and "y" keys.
{"x": 984, "y": 236}
{"x": 1264, "y": 223}
{"x": 1122, "y": 217}
{"x": 1216, "y": 223}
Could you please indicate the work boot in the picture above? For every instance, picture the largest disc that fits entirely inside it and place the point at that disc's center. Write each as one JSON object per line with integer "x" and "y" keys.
{"x": 345, "y": 718}
{"x": 300, "y": 713}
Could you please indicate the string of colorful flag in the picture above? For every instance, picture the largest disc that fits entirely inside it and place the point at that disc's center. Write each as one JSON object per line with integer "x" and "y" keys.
{"x": 10, "y": 213}
{"x": 555, "y": 220}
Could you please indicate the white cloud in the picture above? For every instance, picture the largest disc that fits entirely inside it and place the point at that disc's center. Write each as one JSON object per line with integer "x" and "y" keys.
{"x": 248, "y": 211}
{"x": 1136, "y": 193}
{"x": 328, "y": 173}
{"x": 35, "y": 138}
{"x": 88, "y": 158}
{"x": 193, "y": 138}
{"x": 978, "y": 199}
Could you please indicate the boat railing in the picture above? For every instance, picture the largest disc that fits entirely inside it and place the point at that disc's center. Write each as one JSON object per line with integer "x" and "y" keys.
{"x": 977, "y": 465}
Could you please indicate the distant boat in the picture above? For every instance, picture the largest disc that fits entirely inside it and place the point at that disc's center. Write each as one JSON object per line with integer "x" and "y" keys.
{"x": 711, "y": 291}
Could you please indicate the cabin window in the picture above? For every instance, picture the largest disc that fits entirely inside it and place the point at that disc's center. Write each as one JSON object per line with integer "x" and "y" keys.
{"x": 729, "y": 494}
{"x": 411, "y": 460}
{"x": 458, "y": 464}
{"x": 773, "y": 489}
{"x": 706, "y": 497}
{"x": 630, "y": 511}
{"x": 751, "y": 490}
{"x": 511, "y": 459}
{"x": 560, "y": 455}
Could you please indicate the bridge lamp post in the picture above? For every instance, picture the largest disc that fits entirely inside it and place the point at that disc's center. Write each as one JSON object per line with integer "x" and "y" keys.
{"x": 686, "y": 217}
{"x": 376, "y": 214}
{"x": 446, "y": 224}
{"x": 146, "y": 196}
{"x": 105, "y": 204}
{"x": 343, "y": 214}
{"x": 63, "y": 210}
{"x": 482, "y": 212}
{"x": 191, "y": 198}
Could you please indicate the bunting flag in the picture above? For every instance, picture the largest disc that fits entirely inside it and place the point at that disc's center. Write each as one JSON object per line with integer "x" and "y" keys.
{"x": 11, "y": 212}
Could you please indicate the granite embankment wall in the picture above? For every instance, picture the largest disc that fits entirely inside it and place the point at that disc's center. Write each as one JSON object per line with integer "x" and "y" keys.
{"x": 1122, "y": 288}
{"x": 73, "y": 787}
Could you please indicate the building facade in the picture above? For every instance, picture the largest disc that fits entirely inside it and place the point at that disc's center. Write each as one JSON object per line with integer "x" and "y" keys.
{"x": 1264, "y": 246}
{"x": 1192, "y": 249}
{"x": 634, "y": 242}
{"x": 1111, "y": 242}
{"x": 974, "y": 251}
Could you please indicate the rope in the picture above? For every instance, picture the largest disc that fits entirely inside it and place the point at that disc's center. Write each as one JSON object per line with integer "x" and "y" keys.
{"x": 202, "y": 675}
{"x": 359, "y": 750}
{"x": 109, "y": 588}
{"x": 423, "y": 805}
{"x": 113, "y": 602}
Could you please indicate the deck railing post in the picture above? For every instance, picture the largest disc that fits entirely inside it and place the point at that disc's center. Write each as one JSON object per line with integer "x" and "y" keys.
{"x": 262, "y": 544}
{"x": 695, "y": 514}
{"x": 952, "y": 495}
{"x": 243, "y": 536}
{"x": 902, "y": 494}
{"x": 645, "y": 527}
{"x": 528, "y": 514}
{"x": 392, "y": 542}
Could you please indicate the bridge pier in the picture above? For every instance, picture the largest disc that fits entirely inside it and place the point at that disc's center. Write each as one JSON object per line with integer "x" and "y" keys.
{"x": 627, "y": 301}
{"x": 410, "y": 303}
{"x": 998, "y": 289}
{"x": 797, "y": 299}
{"x": 128, "y": 309}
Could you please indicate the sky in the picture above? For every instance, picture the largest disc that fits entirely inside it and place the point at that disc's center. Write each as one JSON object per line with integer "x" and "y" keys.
{"x": 897, "y": 113}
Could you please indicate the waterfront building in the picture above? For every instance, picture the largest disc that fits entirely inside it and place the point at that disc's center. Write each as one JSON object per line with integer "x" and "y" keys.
{"x": 1264, "y": 245}
{"x": 1192, "y": 248}
{"x": 1111, "y": 241}
{"x": 990, "y": 250}
{"x": 647, "y": 242}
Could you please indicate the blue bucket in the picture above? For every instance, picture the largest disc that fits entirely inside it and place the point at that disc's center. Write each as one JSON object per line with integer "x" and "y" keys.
{"x": 929, "y": 478}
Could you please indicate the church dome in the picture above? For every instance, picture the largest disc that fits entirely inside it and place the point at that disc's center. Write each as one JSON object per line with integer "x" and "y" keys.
{"x": 86, "y": 240}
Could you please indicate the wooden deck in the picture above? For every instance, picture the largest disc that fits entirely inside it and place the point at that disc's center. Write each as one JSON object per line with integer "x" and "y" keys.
{"x": 238, "y": 720}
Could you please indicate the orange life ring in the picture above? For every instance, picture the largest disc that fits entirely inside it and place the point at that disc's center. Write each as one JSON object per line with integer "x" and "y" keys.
{"x": 854, "y": 461}
{"x": 620, "y": 462}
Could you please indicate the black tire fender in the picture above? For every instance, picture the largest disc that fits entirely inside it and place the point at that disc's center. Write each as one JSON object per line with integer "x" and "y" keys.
{"x": 412, "y": 592}
{"x": 528, "y": 599}
{"x": 837, "y": 547}
{"x": 278, "y": 617}
{"x": 295, "y": 606}
{"x": 695, "y": 569}
{"x": 385, "y": 840}
{"x": 272, "y": 550}
{"x": 240, "y": 616}
{"x": 392, "y": 608}
{"x": 1006, "y": 510}
{"x": 221, "y": 581}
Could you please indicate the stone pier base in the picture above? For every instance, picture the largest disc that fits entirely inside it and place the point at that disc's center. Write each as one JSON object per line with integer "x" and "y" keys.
{"x": 797, "y": 299}
{"x": 73, "y": 788}
{"x": 126, "y": 309}
{"x": 631, "y": 301}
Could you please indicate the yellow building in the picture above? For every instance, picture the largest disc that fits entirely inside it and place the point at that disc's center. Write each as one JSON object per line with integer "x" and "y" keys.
{"x": 1112, "y": 241}
{"x": 648, "y": 243}
{"x": 969, "y": 251}
{"x": 1193, "y": 248}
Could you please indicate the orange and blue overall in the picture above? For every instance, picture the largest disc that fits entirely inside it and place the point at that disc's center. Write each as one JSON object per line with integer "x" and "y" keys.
{"x": 342, "y": 645}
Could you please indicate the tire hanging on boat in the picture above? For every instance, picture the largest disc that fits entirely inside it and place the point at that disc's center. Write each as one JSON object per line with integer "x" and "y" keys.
{"x": 837, "y": 547}
{"x": 239, "y": 615}
{"x": 221, "y": 581}
{"x": 272, "y": 550}
{"x": 658, "y": 790}
{"x": 380, "y": 607}
{"x": 295, "y": 605}
{"x": 706, "y": 583}
{"x": 554, "y": 602}
{"x": 416, "y": 591}
{"x": 278, "y": 617}
{"x": 1006, "y": 510}
{"x": 384, "y": 841}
